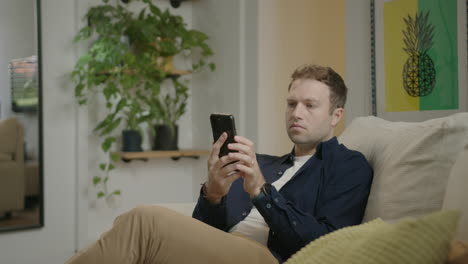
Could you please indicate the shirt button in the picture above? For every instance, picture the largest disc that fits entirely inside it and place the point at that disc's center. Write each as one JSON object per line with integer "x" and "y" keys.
{"x": 294, "y": 223}
{"x": 280, "y": 173}
{"x": 268, "y": 205}
{"x": 276, "y": 200}
{"x": 244, "y": 213}
{"x": 272, "y": 233}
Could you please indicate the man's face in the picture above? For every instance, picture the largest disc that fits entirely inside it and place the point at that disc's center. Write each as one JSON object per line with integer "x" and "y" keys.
{"x": 308, "y": 118}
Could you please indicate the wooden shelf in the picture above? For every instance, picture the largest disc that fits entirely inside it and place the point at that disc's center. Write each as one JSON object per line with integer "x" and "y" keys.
{"x": 179, "y": 72}
{"x": 172, "y": 73}
{"x": 174, "y": 154}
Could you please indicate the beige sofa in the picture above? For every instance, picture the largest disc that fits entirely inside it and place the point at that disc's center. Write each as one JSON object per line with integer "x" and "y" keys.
{"x": 420, "y": 172}
{"x": 12, "y": 184}
{"x": 419, "y": 167}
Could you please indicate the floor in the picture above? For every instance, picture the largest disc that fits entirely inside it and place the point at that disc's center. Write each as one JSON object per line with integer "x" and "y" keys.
{"x": 27, "y": 217}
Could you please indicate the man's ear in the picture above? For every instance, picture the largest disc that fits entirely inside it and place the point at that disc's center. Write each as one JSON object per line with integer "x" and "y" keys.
{"x": 337, "y": 115}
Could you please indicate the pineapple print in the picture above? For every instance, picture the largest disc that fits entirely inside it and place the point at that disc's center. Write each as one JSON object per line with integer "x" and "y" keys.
{"x": 419, "y": 74}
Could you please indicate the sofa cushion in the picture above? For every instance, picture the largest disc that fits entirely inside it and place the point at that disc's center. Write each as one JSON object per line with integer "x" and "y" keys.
{"x": 411, "y": 162}
{"x": 457, "y": 196}
{"x": 8, "y": 135}
{"x": 5, "y": 156}
{"x": 414, "y": 241}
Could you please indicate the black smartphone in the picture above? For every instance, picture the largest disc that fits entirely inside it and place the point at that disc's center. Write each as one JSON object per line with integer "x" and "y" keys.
{"x": 223, "y": 123}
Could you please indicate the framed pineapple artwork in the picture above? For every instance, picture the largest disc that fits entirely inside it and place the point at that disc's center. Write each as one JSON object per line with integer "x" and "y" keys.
{"x": 419, "y": 58}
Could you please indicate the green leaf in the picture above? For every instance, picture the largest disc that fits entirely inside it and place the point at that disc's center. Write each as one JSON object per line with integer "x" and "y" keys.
{"x": 110, "y": 90}
{"x": 106, "y": 145}
{"x": 116, "y": 192}
{"x": 102, "y": 166}
{"x": 104, "y": 123}
{"x": 100, "y": 194}
{"x": 212, "y": 66}
{"x": 77, "y": 39}
{"x": 111, "y": 167}
{"x": 115, "y": 157}
{"x": 83, "y": 60}
{"x": 82, "y": 101}
{"x": 79, "y": 89}
{"x": 106, "y": 179}
{"x": 141, "y": 15}
{"x": 110, "y": 127}
{"x": 96, "y": 180}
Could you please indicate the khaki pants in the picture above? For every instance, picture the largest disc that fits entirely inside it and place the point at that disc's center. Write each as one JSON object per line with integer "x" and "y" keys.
{"x": 153, "y": 234}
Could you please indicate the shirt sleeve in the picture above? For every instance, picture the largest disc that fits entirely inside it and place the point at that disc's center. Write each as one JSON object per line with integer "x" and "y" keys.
{"x": 212, "y": 214}
{"x": 339, "y": 205}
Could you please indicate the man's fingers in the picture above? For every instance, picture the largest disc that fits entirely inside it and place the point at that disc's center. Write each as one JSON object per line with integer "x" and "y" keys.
{"x": 220, "y": 163}
{"x": 233, "y": 177}
{"x": 240, "y": 147}
{"x": 228, "y": 169}
{"x": 246, "y": 159}
{"x": 217, "y": 146}
{"x": 245, "y": 169}
{"x": 244, "y": 141}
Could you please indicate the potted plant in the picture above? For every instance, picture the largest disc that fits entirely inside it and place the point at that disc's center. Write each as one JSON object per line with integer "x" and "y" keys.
{"x": 129, "y": 56}
{"x": 167, "y": 108}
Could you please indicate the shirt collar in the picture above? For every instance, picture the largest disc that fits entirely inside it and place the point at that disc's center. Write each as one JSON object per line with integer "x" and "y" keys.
{"x": 322, "y": 149}
{"x": 325, "y": 146}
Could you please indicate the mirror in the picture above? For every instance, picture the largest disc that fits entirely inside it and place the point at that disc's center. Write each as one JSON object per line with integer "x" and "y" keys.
{"x": 21, "y": 191}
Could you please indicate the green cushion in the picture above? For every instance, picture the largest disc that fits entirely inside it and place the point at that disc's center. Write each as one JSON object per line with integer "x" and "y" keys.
{"x": 425, "y": 240}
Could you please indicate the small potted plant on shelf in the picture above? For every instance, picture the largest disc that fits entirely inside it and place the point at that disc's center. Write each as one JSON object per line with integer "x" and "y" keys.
{"x": 168, "y": 107}
{"x": 129, "y": 56}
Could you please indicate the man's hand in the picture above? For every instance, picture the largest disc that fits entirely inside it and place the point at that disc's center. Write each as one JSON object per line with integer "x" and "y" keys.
{"x": 247, "y": 165}
{"x": 220, "y": 176}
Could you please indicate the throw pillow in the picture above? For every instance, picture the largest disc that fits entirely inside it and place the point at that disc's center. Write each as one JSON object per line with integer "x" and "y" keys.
{"x": 411, "y": 162}
{"x": 413, "y": 241}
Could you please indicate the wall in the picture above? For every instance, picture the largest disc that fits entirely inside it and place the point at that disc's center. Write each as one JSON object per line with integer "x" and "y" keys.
{"x": 292, "y": 34}
{"x": 233, "y": 86}
{"x": 358, "y": 67}
{"x": 54, "y": 242}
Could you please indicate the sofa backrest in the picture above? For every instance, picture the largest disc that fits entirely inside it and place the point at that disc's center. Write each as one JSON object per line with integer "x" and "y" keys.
{"x": 411, "y": 161}
{"x": 456, "y": 196}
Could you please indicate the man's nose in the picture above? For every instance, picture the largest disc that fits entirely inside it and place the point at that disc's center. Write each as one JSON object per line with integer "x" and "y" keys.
{"x": 298, "y": 111}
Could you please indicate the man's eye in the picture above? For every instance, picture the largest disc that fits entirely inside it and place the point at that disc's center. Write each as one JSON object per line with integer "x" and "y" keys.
{"x": 310, "y": 106}
{"x": 291, "y": 104}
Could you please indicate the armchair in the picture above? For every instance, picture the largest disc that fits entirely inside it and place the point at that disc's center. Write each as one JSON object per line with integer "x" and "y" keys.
{"x": 11, "y": 165}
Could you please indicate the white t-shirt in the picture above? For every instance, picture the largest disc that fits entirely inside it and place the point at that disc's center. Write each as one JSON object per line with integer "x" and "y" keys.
{"x": 254, "y": 226}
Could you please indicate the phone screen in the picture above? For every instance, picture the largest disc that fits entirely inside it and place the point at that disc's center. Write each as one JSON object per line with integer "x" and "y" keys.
{"x": 223, "y": 123}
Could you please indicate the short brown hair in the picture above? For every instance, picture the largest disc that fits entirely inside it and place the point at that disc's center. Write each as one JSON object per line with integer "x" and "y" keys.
{"x": 326, "y": 75}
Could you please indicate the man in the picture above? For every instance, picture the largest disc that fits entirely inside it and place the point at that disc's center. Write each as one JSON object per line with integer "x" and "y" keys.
{"x": 263, "y": 208}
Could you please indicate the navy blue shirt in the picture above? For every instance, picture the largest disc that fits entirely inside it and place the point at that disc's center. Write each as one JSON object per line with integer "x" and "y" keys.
{"x": 328, "y": 192}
